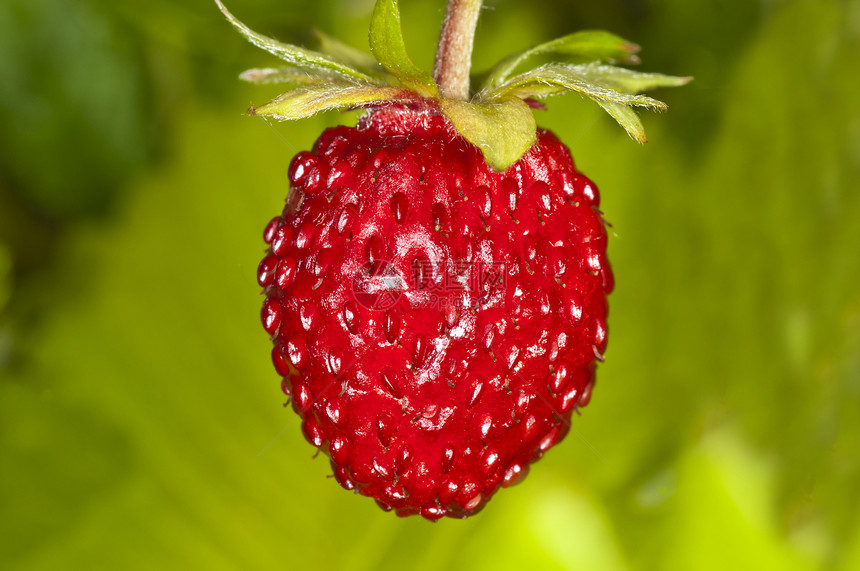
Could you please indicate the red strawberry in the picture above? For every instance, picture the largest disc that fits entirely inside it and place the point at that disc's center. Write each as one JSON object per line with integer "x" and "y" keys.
{"x": 464, "y": 362}
{"x": 436, "y": 285}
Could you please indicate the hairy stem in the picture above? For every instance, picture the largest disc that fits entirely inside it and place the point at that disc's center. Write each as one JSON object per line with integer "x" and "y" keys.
{"x": 454, "y": 54}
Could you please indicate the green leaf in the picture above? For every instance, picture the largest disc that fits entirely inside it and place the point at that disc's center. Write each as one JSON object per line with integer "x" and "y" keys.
{"x": 348, "y": 55}
{"x": 610, "y": 87}
{"x": 296, "y": 56}
{"x": 386, "y": 43}
{"x": 503, "y": 130}
{"x": 579, "y": 47}
{"x": 559, "y": 78}
{"x": 306, "y": 101}
{"x": 626, "y": 117}
{"x": 292, "y": 75}
{"x": 628, "y": 81}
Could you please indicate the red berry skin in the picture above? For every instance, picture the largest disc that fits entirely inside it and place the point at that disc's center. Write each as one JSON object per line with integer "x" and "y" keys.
{"x": 435, "y": 322}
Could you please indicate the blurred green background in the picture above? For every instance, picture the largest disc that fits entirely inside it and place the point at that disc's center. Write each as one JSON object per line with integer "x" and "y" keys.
{"x": 141, "y": 423}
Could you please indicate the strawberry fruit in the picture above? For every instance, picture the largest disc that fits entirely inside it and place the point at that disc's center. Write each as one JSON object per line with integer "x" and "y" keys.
{"x": 436, "y": 284}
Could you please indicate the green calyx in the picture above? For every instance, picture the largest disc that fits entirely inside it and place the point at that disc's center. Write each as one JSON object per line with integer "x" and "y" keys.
{"x": 497, "y": 118}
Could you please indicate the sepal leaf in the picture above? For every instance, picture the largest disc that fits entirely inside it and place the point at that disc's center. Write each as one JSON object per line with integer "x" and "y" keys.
{"x": 306, "y": 101}
{"x": 346, "y": 54}
{"x": 580, "y": 47}
{"x": 629, "y": 81}
{"x": 387, "y": 45}
{"x": 498, "y": 120}
{"x": 554, "y": 79}
{"x": 626, "y": 117}
{"x": 290, "y": 75}
{"x": 296, "y": 56}
{"x": 503, "y": 130}
{"x": 614, "y": 89}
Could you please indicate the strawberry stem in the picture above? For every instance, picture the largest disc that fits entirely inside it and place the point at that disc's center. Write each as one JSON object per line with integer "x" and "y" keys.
{"x": 454, "y": 54}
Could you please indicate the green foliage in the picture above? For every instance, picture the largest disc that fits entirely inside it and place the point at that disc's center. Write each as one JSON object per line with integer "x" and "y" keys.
{"x": 495, "y": 119}
{"x": 504, "y": 131}
{"x": 141, "y": 423}
{"x": 614, "y": 89}
{"x": 579, "y": 47}
{"x": 347, "y": 54}
{"x": 299, "y": 58}
{"x": 307, "y": 101}
{"x": 387, "y": 45}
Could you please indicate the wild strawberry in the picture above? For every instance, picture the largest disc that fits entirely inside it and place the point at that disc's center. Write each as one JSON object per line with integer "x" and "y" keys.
{"x": 436, "y": 284}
